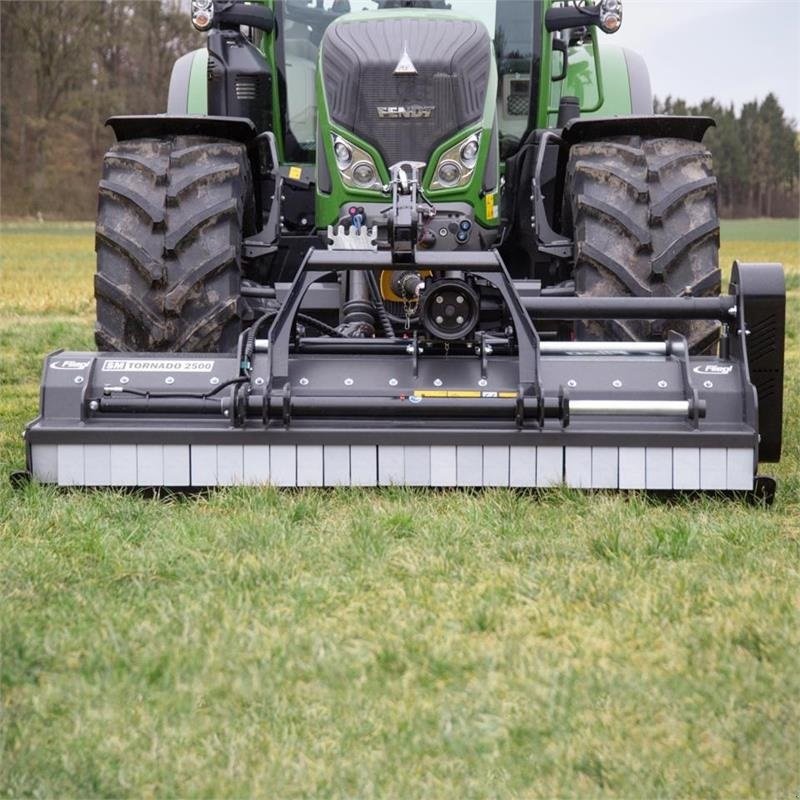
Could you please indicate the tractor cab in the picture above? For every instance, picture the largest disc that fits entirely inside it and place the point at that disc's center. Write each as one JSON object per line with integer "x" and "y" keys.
{"x": 508, "y": 22}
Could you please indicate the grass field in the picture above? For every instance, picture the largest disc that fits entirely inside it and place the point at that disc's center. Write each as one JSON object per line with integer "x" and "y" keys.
{"x": 387, "y": 643}
{"x": 761, "y": 230}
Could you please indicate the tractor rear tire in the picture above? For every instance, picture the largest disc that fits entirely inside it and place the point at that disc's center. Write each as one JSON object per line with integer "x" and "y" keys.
{"x": 644, "y": 217}
{"x": 172, "y": 214}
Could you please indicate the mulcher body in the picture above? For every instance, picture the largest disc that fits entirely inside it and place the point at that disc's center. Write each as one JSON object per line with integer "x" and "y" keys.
{"x": 412, "y": 246}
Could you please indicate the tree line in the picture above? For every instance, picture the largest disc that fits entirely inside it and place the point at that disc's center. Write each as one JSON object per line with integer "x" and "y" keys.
{"x": 67, "y": 66}
{"x": 756, "y": 155}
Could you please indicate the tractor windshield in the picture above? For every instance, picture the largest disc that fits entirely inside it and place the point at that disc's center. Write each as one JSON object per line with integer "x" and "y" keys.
{"x": 304, "y": 23}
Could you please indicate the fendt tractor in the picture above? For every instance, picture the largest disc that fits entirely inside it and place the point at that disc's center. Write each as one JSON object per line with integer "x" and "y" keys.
{"x": 424, "y": 243}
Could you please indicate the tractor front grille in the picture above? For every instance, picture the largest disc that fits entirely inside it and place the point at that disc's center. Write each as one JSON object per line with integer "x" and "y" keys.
{"x": 405, "y": 116}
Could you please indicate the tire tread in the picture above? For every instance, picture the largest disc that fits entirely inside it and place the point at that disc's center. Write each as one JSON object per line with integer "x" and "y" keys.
{"x": 172, "y": 214}
{"x": 645, "y": 223}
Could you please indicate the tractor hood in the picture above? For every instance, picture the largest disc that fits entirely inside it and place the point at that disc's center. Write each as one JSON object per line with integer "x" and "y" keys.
{"x": 405, "y": 84}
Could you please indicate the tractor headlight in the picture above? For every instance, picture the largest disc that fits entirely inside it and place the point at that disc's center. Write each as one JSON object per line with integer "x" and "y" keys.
{"x": 364, "y": 174}
{"x": 343, "y": 153}
{"x": 448, "y": 174}
{"x": 202, "y": 14}
{"x": 356, "y": 167}
{"x": 456, "y": 165}
{"x": 469, "y": 152}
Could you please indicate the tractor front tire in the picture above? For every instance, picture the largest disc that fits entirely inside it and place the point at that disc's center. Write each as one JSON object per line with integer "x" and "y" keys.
{"x": 172, "y": 215}
{"x": 644, "y": 217}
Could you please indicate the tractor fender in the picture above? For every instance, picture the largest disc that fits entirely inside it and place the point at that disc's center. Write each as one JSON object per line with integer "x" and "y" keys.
{"x": 155, "y": 126}
{"x": 655, "y": 125}
{"x": 188, "y": 84}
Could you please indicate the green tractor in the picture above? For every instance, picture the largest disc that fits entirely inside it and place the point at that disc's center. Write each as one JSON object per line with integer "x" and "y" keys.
{"x": 435, "y": 242}
{"x": 334, "y": 116}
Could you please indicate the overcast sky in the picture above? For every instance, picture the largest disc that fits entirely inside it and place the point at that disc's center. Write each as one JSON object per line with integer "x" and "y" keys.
{"x": 734, "y": 50}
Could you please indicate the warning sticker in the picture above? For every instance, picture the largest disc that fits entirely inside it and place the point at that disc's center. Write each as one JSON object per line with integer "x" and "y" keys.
{"x": 491, "y": 207}
{"x": 295, "y": 173}
{"x": 463, "y": 394}
{"x": 156, "y": 365}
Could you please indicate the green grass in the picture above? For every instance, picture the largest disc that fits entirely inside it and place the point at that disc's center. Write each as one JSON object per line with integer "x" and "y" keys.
{"x": 761, "y": 230}
{"x": 388, "y": 643}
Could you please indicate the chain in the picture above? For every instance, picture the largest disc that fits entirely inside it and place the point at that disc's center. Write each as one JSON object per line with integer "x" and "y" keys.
{"x": 410, "y": 309}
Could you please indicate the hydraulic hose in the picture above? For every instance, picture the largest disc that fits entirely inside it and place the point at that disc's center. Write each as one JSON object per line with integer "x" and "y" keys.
{"x": 319, "y": 325}
{"x": 250, "y": 343}
{"x": 377, "y": 300}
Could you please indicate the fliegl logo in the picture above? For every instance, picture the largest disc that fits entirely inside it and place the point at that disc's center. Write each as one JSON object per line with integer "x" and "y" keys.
{"x": 405, "y": 112}
{"x": 714, "y": 369}
{"x": 68, "y": 363}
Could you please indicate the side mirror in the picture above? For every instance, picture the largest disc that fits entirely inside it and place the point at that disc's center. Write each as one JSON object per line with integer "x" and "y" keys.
{"x": 254, "y": 15}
